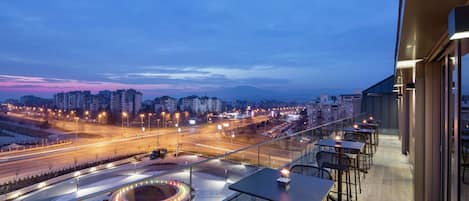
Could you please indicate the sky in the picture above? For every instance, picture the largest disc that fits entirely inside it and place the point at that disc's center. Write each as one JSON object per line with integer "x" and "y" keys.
{"x": 194, "y": 47}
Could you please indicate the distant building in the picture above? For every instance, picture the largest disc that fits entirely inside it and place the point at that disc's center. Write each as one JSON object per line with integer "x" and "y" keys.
{"x": 35, "y": 101}
{"x": 351, "y": 103}
{"x": 201, "y": 105}
{"x": 12, "y": 101}
{"x": 165, "y": 104}
{"x": 74, "y": 100}
{"x": 331, "y": 108}
{"x": 209, "y": 105}
{"x": 126, "y": 100}
{"x": 117, "y": 101}
{"x": 189, "y": 103}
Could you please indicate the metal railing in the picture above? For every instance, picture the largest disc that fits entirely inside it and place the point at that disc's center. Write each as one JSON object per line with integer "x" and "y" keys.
{"x": 231, "y": 166}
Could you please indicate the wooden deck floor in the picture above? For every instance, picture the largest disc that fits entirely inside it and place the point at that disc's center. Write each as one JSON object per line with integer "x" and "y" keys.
{"x": 390, "y": 176}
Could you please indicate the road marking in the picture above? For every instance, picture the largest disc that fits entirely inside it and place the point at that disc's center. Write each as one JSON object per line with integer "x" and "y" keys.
{"x": 29, "y": 155}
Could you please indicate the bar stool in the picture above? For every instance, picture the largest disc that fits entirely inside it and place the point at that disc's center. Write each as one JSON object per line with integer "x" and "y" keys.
{"x": 340, "y": 163}
{"x": 357, "y": 137}
{"x": 365, "y": 163}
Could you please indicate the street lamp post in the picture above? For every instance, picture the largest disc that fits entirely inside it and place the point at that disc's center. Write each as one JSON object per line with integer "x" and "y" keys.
{"x": 142, "y": 117}
{"x": 177, "y": 138}
{"x": 76, "y": 126}
{"x": 124, "y": 115}
{"x": 149, "y": 121}
{"x": 232, "y": 136}
{"x": 177, "y": 116}
{"x": 87, "y": 113}
{"x": 104, "y": 116}
{"x": 77, "y": 177}
{"x": 164, "y": 119}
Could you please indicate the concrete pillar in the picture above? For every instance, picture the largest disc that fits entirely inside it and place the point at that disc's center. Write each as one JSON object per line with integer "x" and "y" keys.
{"x": 419, "y": 135}
{"x": 433, "y": 131}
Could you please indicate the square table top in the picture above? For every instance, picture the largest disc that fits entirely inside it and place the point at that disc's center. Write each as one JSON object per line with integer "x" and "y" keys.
{"x": 360, "y": 130}
{"x": 263, "y": 184}
{"x": 367, "y": 124}
{"x": 344, "y": 144}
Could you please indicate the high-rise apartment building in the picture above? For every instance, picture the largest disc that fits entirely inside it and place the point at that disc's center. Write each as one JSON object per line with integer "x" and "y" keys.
{"x": 165, "y": 104}
{"x": 125, "y": 100}
{"x": 74, "y": 100}
{"x": 330, "y": 108}
{"x": 200, "y": 105}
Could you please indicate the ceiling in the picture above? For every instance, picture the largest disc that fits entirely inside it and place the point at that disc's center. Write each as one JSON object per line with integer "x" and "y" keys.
{"x": 424, "y": 22}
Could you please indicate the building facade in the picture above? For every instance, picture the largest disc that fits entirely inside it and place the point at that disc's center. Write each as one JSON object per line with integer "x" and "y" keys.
{"x": 330, "y": 108}
{"x": 125, "y": 100}
{"x": 165, "y": 104}
{"x": 431, "y": 81}
{"x": 200, "y": 105}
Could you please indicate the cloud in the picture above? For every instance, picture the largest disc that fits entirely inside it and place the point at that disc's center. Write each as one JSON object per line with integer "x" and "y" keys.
{"x": 43, "y": 84}
{"x": 204, "y": 72}
{"x": 304, "y": 44}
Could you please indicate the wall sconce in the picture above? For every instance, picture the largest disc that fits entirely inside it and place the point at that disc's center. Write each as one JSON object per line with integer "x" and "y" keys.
{"x": 399, "y": 96}
{"x": 458, "y": 23}
{"x": 410, "y": 86}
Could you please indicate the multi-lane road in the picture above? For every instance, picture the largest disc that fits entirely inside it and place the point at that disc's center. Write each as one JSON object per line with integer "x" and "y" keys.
{"x": 109, "y": 141}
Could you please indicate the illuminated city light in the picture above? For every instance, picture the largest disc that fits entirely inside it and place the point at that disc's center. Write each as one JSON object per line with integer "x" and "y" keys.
{"x": 42, "y": 185}
{"x": 77, "y": 173}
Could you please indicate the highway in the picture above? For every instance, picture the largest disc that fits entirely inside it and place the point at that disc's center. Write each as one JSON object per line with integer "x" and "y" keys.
{"x": 112, "y": 141}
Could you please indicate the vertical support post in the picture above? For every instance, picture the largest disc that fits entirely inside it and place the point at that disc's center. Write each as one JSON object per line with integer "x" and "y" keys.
{"x": 258, "y": 155}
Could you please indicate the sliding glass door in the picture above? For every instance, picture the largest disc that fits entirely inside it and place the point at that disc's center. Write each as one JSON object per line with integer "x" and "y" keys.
{"x": 464, "y": 121}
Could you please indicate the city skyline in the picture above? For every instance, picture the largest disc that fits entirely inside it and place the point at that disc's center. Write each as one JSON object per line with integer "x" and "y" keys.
{"x": 194, "y": 48}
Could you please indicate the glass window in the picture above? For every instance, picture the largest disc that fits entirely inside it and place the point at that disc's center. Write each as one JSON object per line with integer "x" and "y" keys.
{"x": 464, "y": 121}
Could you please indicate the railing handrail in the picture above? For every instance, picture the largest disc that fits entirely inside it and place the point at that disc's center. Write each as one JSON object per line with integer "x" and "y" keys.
{"x": 183, "y": 167}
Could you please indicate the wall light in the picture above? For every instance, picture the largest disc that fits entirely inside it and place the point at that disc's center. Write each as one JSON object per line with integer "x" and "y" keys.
{"x": 407, "y": 63}
{"x": 410, "y": 86}
{"x": 458, "y": 23}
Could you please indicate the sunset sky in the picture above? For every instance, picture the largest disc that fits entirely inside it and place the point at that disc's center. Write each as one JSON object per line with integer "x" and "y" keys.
{"x": 183, "y": 46}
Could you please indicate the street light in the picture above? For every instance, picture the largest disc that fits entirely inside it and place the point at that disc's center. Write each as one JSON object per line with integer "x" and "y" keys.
{"x": 142, "y": 117}
{"x": 76, "y": 126}
{"x": 232, "y": 137}
{"x": 179, "y": 130}
{"x": 77, "y": 177}
{"x": 124, "y": 115}
{"x": 86, "y": 114}
{"x": 149, "y": 121}
{"x": 177, "y": 115}
{"x": 164, "y": 119}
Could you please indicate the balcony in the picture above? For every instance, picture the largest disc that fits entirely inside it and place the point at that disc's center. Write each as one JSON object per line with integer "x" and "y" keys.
{"x": 389, "y": 177}
{"x": 209, "y": 178}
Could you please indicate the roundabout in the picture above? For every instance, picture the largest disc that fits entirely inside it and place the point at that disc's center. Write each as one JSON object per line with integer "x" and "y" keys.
{"x": 154, "y": 189}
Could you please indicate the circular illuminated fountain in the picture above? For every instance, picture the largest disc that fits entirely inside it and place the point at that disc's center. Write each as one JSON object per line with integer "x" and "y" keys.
{"x": 153, "y": 190}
